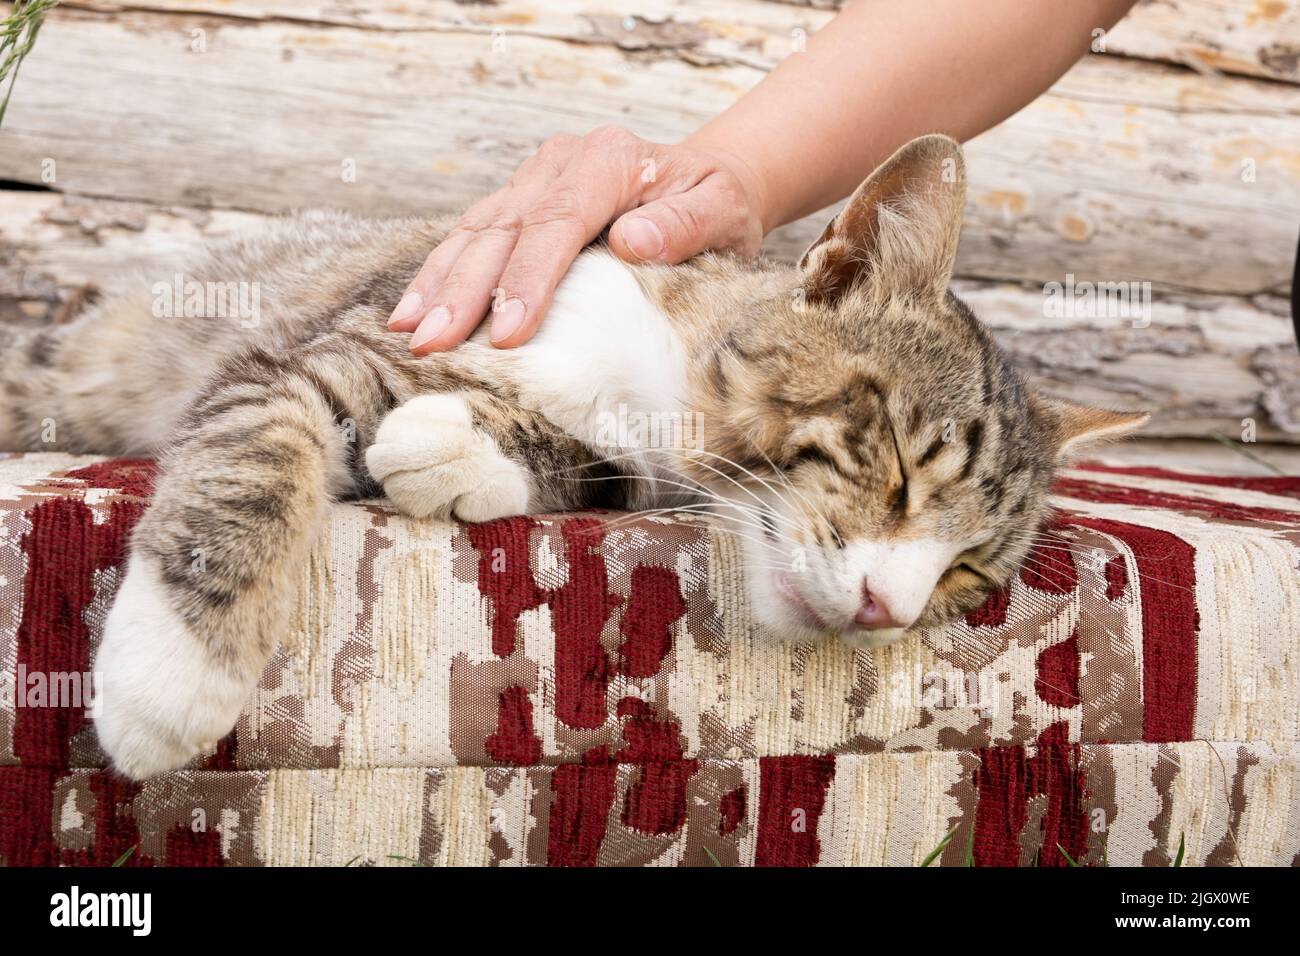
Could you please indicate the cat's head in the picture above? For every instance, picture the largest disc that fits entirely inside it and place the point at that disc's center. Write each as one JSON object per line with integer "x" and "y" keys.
{"x": 886, "y": 467}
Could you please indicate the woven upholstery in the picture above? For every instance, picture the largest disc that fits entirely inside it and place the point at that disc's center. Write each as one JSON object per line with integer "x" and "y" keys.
{"x": 589, "y": 689}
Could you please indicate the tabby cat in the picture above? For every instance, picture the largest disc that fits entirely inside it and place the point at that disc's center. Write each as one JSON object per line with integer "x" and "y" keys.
{"x": 882, "y": 465}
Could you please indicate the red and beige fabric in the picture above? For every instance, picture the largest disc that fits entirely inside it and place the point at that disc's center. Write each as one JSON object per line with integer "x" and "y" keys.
{"x": 589, "y": 689}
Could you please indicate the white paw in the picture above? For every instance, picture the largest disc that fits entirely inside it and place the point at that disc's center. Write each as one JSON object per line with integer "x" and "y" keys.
{"x": 161, "y": 699}
{"x": 431, "y": 460}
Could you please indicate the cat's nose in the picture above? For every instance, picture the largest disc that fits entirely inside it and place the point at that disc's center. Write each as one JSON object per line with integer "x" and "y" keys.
{"x": 874, "y": 614}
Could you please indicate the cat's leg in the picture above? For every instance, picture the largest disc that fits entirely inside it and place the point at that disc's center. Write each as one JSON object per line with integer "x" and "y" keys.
{"x": 105, "y": 378}
{"x": 216, "y": 562}
{"x": 37, "y": 411}
{"x": 474, "y": 456}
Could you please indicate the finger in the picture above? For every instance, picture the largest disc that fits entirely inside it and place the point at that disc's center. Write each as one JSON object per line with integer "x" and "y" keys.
{"x": 417, "y": 300}
{"x": 673, "y": 228}
{"x": 597, "y": 187}
{"x": 525, "y": 186}
{"x": 462, "y": 298}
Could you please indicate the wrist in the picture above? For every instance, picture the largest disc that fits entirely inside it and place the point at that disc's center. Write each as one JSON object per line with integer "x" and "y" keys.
{"x": 751, "y": 176}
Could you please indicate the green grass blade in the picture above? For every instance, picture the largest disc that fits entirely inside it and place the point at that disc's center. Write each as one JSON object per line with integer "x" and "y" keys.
{"x": 1068, "y": 859}
{"x": 16, "y": 40}
{"x": 714, "y": 859}
{"x": 1240, "y": 450}
{"x": 1178, "y": 860}
{"x": 121, "y": 860}
{"x": 943, "y": 845}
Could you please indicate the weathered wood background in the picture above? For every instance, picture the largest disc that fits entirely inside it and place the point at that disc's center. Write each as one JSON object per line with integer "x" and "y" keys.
{"x": 1172, "y": 157}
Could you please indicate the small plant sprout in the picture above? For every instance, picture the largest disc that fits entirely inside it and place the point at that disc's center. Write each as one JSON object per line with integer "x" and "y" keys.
{"x": 17, "y": 37}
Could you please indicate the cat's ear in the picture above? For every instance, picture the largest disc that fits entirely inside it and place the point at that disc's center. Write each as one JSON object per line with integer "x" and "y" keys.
{"x": 900, "y": 227}
{"x": 1073, "y": 428}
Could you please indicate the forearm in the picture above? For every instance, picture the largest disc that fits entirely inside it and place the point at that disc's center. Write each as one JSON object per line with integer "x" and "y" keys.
{"x": 885, "y": 71}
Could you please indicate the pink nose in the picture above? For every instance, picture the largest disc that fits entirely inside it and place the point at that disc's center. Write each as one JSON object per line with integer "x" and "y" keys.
{"x": 874, "y": 614}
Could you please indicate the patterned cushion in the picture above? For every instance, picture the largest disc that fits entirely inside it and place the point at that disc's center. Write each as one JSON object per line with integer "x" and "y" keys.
{"x": 590, "y": 689}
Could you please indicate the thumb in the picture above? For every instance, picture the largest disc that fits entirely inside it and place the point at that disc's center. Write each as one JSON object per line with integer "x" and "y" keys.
{"x": 674, "y": 228}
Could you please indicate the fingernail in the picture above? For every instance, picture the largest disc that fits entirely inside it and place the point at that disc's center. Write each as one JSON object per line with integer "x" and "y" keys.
{"x": 507, "y": 317}
{"x": 434, "y": 324}
{"x": 643, "y": 238}
{"x": 411, "y": 303}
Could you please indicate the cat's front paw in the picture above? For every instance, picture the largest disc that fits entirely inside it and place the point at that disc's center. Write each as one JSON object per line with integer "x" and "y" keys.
{"x": 162, "y": 698}
{"x": 431, "y": 460}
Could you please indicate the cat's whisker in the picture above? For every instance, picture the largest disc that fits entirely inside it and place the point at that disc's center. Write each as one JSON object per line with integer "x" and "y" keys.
{"x": 604, "y": 459}
{"x": 783, "y": 568}
{"x": 707, "y": 511}
{"x": 814, "y": 508}
{"x": 1079, "y": 547}
{"x": 732, "y": 529}
{"x": 1042, "y": 564}
{"x": 763, "y": 547}
{"x": 751, "y": 522}
{"x": 693, "y": 451}
{"x": 721, "y": 501}
{"x": 655, "y": 479}
{"x": 629, "y": 518}
{"x": 768, "y": 509}
{"x": 758, "y": 478}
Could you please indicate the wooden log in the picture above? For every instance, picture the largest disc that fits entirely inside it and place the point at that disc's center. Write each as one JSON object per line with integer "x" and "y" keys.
{"x": 1125, "y": 170}
{"x": 1260, "y": 39}
{"x": 1203, "y": 364}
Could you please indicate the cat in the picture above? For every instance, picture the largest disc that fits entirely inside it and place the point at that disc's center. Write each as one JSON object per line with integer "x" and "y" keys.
{"x": 883, "y": 466}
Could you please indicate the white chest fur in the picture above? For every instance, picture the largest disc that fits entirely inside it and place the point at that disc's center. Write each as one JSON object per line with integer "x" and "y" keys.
{"x": 606, "y": 364}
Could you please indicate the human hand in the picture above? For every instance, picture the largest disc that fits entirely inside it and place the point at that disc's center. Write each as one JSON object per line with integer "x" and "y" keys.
{"x": 510, "y": 250}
